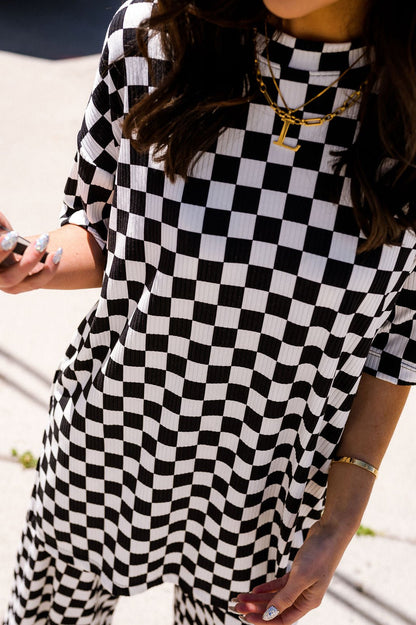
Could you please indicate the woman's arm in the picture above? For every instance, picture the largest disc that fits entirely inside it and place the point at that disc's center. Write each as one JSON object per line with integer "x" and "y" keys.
{"x": 375, "y": 412}
{"x": 371, "y": 423}
{"x": 81, "y": 265}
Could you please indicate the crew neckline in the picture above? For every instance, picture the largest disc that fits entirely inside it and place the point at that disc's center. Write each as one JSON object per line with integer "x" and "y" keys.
{"x": 311, "y": 55}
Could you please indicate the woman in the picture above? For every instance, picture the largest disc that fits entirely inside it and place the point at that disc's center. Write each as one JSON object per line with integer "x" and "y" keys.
{"x": 241, "y": 191}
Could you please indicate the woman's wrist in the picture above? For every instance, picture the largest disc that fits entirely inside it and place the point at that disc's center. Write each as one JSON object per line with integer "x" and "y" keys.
{"x": 349, "y": 489}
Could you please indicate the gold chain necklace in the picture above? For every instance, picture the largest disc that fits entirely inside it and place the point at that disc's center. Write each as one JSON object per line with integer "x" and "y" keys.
{"x": 287, "y": 115}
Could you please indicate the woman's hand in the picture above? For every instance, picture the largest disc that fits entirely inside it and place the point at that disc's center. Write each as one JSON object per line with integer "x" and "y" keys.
{"x": 25, "y": 273}
{"x": 285, "y": 600}
{"x": 81, "y": 267}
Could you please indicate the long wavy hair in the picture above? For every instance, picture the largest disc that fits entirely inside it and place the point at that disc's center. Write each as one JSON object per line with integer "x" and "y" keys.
{"x": 198, "y": 95}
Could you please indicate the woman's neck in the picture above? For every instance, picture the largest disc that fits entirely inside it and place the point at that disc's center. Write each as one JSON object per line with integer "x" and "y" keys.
{"x": 338, "y": 22}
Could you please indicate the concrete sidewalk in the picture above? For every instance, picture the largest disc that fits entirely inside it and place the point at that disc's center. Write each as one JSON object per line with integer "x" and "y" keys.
{"x": 40, "y": 114}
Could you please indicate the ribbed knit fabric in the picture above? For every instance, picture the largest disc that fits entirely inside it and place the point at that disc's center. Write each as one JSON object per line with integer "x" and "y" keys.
{"x": 196, "y": 411}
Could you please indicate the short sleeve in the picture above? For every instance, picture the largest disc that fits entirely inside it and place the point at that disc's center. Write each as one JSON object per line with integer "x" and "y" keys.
{"x": 392, "y": 356}
{"x": 89, "y": 190}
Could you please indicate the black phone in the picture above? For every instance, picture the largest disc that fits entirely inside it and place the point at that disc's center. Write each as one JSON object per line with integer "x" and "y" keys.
{"x": 21, "y": 245}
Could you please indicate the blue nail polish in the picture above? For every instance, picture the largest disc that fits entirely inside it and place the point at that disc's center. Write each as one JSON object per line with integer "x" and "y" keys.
{"x": 270, "y": 613}
{"x": 57, "y": 256}
{"x": 9, "y": 241}
{"x": 42, "y": 243}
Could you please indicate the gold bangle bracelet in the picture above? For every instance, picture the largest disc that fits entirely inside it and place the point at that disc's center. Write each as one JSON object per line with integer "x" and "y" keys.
{"x": 358, "y": 463}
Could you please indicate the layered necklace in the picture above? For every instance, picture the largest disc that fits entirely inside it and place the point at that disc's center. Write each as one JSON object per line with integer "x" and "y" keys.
{"x": 292, "y": 116}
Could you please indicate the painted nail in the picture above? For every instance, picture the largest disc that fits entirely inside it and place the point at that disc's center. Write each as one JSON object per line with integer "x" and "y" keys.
{"x": 231, "y": 606}
{"x": 9, "y": 241}
{"x": 270, "y": 613}
{"x": 57, "y": 256}
{"x": 42, "y": 243}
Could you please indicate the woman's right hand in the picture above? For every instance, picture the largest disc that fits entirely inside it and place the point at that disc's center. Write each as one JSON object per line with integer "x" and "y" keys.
{"x": 25, "y": 273}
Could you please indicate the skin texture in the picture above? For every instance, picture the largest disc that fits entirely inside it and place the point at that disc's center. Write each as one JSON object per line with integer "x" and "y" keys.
{"x": 324, "y": 20}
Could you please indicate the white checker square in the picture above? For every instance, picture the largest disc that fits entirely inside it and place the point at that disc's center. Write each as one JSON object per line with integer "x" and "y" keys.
{"x": 207, "y": 292}
{"x": 251, "y": 173}
{"x": 343, "y": 247}
{"x": 254, "y": 299}
{"x": 221, "y": 356}
{"x": 303, "y": 182}
{"x": 361, "y": 278}
{"x": 234, "y": 274}
{"x": 173, "y": 190}
{"x": 323, "y": 215}
{"x": 295, "y": 95}
{"x": 240, "y": 375}
{"x": 181, "y": 308}
{"x": 260, "y": 119}
{"x": 241, "y": 225}
{"x": 178, "y": 345}
{"x": 301, "y": 313}
{"x": 202, "y": 333}
{"x": 262, "y": 254}
{"x": 154, "y": 207}
{"x": 185, "y": 267}
{"x": 312, "y": 267}
{"x": 214, "y": 392}
{"x": 272, "y": 204}
{"x": 191, "y": 407}
{"x": 265, "y": 365}
{"x": 247, "y": 340}
{"x": 220, "y": 196}
{"x": 273, "y": 326}
{"x": 203, "y": 167}
{"x": 279, "y": 392}
{"x": 282, "y": 283}
{"x": 290, "y": 354}
{"x": 227, "y": 317}
{"x": 195, "y": 371}
{"x": 212, "y": 247}
{"x": 292, "y": 235}
{"x": 230, "y": 142}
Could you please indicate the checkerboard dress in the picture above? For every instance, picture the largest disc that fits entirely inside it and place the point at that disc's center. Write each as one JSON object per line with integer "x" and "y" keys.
{"x": 196, "y": 411}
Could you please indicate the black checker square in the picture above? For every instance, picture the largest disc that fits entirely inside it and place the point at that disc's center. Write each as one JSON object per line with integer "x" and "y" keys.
{"x": 246, "y": 199}
{"x": 225, "y": 169}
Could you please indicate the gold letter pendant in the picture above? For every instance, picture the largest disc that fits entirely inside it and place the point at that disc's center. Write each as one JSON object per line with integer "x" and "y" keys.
{"x": 282, "y": 137}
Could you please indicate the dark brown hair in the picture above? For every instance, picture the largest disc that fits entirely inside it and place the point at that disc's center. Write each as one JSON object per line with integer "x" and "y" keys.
{"x": 198, "y": 94}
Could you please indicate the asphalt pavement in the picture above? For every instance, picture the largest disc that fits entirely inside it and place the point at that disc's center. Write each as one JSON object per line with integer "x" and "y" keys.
{"x": 43, "y": 98}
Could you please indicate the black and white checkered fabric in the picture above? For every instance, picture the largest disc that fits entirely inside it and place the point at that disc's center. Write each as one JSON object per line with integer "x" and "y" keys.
{"x": 187, "y": 611}
{"x": 47, "y": 591}
{"x": 197, "y": 408}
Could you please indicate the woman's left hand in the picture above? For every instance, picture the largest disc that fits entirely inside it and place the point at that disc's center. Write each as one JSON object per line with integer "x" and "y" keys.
{"x": 285, "y": 600}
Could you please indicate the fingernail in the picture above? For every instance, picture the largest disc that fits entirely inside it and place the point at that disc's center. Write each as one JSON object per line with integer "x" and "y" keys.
{"x": 270, "y": 613}
{"x": 57, "y": 256}
{"x": 9, "y": 241}
{"x": 42, "y": 243}
{"x": 231, "y": 606}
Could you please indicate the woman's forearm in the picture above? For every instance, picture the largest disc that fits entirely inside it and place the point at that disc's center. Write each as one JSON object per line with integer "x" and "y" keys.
{"x": 82, "y": 262}
{"x": 374, "y": 415}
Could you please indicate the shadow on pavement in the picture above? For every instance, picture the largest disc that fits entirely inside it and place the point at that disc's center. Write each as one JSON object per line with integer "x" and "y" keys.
{"x": 390, "y": 609}
{"x": 55, "y": 29}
